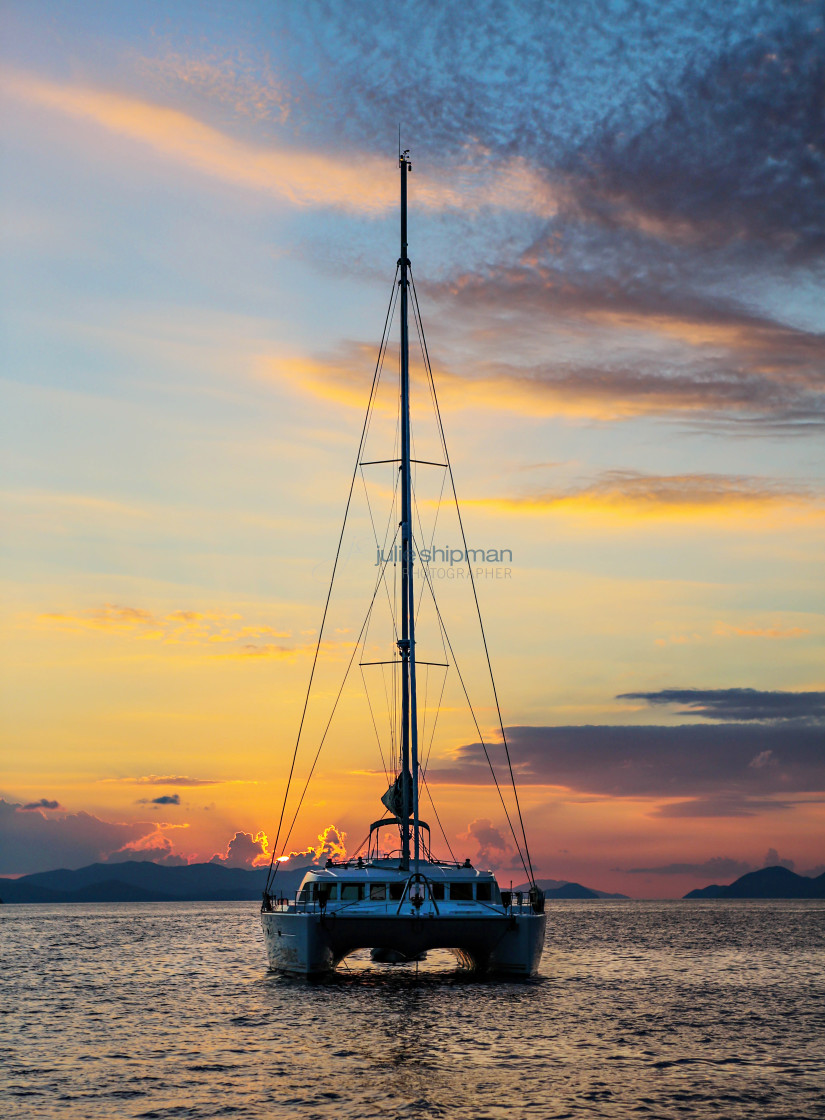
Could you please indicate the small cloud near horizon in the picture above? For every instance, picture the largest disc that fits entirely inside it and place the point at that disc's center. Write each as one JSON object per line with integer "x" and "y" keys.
{"x": 31, "y": 841}
{"x": 737, "y": 704}
{"x": 722, "y": 867}
{"x": 245, "y": 850}
{"x": 492, "y": 848}
{"x": 178, "y": 780}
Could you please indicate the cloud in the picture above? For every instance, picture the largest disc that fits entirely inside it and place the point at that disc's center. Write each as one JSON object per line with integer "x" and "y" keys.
{"x": 43, "y": 803}
{"x": 30, "y": 841}
{"x": 245, "y": 850}
{"x": 267, "y": 649}
{"x": 719, "y": 868}
{"x": 737, "y": 703}
{"x": 332, "y": 843}
{"x": 777, "y": 633}
{"x": 773, "y": 859}
{"x": 622, "y": 493}
{"x": 226, "y": 80}
{"x": 164, "y": 799}
{"x": 710, "y": 764}
{"x": 492, "y": 848}
{"x": 109, "y": 617}
{"x": 619, "y": 354}
{"x": 361, "y": 183}
{"x": 702, "y": 125}
{"x": 173, "y": 780}
{"x": 606, "y": 366}
{"x": 724, "y": 805}
{"x": 814, "y": 872}
{"x": 155, "y": 848}
{"x": 207, "y": 629}
{"x": 764, "y": 758}
{"x": 734, "y": 149}
{"x": 682, "y": 301}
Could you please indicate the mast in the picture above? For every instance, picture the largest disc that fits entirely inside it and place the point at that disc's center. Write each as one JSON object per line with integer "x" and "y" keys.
{"x": 406, "y": 644}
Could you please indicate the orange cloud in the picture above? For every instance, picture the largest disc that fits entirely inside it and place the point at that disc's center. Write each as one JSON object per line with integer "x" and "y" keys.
{"x": 177, "y": 780}
{"x": 362, "y": 183}
{"x": 631, "y": 493}
{"x": 724, "y": 630}
{"x": 578, "y": 393}
{"x": 677, "y": 640}
{"x": 109, "y": 617}
{"x": 223, "y": 80}
{"x": 696, "y": 332}
{"x": 179, "y": 627}
{"x": 213, "y": 633}
{"x": 245, "y": 850}
{"x": 344, "y": 378}
{"x": 331, "y": 842}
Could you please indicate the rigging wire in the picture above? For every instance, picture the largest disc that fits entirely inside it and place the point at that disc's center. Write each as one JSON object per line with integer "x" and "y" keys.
{"x": 390, "y": 598}
{"x": 364, "y": 624}
{"x": 382, "y": 356}
{"x": 390, "y": 714}
{"x": 375, "y": 726}
{"x": 272, "y": 871}
{"x": 426, "y": 760}
{"x": 478, "y": 729}
{"x": 432, "y": 535}
{"x": 438, "y": 819}
{"x": 428, "y": 366}
{"x": 381, "y": 550}
{"x": 381, "y": 546}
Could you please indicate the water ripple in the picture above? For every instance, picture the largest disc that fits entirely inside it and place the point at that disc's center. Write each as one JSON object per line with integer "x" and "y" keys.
{"x": 662, "y": 1010}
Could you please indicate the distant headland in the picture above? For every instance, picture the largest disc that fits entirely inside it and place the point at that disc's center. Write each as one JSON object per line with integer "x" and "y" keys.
{"x": 144, "y": 881}
{"x": 770, "y": 882}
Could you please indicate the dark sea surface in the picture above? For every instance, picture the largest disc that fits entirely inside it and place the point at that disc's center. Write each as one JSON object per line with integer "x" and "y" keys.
{"x": 643, "y": 1009}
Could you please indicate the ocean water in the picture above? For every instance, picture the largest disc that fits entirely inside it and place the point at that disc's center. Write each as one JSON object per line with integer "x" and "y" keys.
{"x": 643, "y": 1009}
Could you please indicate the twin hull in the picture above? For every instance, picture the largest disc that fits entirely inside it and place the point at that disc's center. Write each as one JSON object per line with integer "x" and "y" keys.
{"x": 308, "y": 943}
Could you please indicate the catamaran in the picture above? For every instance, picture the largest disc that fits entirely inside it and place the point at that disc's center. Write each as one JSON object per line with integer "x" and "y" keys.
{"x": 395, "y": 897}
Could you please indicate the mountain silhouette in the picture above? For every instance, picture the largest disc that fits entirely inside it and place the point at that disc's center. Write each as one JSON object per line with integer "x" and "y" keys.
{"x": 770, "y": 882}
{"x": 144, "y": 881}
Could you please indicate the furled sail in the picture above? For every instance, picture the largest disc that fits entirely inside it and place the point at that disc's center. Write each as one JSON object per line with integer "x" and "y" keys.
{"x": 394, "y": 797}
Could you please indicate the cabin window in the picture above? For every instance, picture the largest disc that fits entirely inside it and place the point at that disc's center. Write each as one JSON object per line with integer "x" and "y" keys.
{"x": 461, "y": 892}
{"x": 329, "y": 891}
{"x": 351, "y": 892}
{"x": 304, "y": 894}
{"x": 484, "y": 892}
{"x": 378, "y": 892}
{"x": 438, "y": 891}
{"x": 396, "y": 891}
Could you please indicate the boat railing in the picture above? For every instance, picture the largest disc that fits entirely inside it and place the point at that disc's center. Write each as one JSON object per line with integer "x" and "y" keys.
{"x": 512, "y": 903}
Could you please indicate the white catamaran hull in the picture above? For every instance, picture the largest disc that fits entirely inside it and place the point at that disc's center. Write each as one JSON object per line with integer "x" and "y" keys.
{"x": 305, "y": 944}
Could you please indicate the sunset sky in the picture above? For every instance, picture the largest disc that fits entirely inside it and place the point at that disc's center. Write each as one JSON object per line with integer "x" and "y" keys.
{"x": 618, "y": 234}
